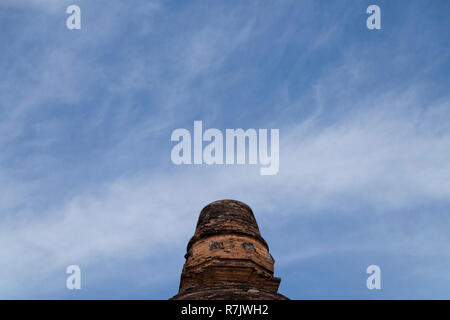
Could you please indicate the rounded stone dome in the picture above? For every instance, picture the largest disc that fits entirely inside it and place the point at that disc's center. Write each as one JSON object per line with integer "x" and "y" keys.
{"x": 226, "y": 217}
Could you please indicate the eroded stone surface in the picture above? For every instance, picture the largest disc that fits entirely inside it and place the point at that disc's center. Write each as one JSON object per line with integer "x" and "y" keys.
{"x": 227, "y": 258}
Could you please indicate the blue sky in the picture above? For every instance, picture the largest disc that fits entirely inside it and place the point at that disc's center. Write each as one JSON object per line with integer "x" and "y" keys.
{"x": 86, "y": 117}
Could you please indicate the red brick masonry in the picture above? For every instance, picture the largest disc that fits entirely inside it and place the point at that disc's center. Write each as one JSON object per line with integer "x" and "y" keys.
{"x": 227, "y": 258}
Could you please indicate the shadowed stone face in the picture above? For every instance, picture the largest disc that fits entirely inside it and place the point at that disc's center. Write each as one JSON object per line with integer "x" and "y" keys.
{"x": 227, "y": 258}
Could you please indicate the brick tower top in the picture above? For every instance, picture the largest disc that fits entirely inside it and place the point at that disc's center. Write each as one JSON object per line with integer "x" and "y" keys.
{"x": 226, "y": 217}
{"x": 227, "y": 258}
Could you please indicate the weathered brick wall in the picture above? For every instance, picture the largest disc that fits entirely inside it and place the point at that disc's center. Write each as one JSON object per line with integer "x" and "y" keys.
{"x": 230, "y": 247}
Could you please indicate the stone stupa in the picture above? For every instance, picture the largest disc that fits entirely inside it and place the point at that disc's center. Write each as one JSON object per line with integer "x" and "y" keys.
{"x": 227, "y": 258}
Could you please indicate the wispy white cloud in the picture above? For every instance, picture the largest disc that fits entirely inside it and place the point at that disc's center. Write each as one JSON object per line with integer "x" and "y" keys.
{"x": 382, "y": 158}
